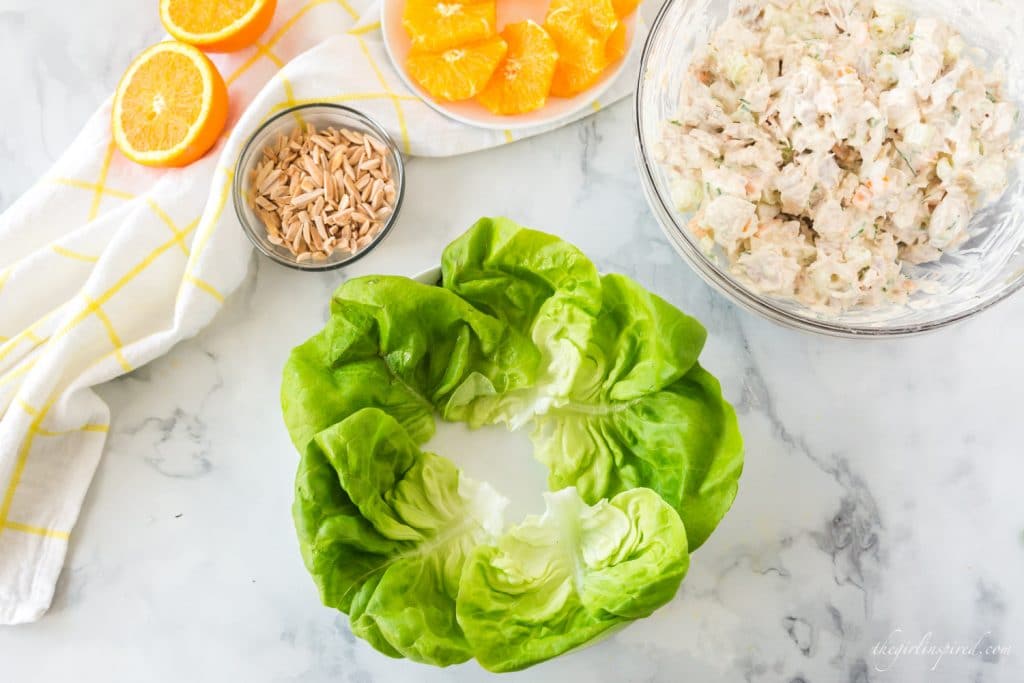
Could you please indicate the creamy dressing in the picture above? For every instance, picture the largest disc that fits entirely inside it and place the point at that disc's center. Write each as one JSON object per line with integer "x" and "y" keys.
{"x": 823, "y": 143}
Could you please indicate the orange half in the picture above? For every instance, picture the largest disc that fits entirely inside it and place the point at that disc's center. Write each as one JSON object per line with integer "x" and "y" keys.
{"x": 521, "y": 83}
{"x": 170, "y": 106}
{"x": 440, "y": 24}
{"x": 460, "y": 72}
{"x": 217, "y": 25}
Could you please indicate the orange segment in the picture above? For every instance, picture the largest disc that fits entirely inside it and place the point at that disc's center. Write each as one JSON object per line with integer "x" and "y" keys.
{"x": 581, "y": 30}
{"x": 624, "y": 8}
{"x": 217, "y": 25}
{"x": 440, "y": 24}
{"x": 170, "y": 106}
{"x": 522, "y": 82}
{"x": 616, "y": 47}
{"x": 459, "y": 73}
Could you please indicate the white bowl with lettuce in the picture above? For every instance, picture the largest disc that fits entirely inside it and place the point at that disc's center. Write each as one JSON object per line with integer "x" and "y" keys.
{"x": 518, "y": 328}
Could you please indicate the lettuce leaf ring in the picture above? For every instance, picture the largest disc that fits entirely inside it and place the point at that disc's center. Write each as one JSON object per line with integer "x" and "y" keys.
{"x": 643, "y": 453}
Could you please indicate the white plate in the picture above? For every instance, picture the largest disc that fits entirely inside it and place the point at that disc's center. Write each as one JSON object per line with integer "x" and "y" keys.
{"x": 397, "y": 45}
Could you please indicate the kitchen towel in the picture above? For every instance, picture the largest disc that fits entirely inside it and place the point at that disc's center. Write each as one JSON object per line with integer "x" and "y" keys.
{"x": 106, "y": 264}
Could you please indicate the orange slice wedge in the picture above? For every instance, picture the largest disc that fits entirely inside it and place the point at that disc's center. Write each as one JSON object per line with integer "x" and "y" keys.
{"x": 617, "y": 45}
{"x": 217, "y": 25}
{"x": 581, "y": 30}
{"x": 460, "y": 72}
{"x": 435, "y": 25}
{"x": 624, "y": 8}
{"x": 521, "y": 83}
{"x": 170, "y": 106}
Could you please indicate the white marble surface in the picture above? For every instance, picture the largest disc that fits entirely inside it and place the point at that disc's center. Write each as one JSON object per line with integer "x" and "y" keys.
{"x": 880, "y": 498}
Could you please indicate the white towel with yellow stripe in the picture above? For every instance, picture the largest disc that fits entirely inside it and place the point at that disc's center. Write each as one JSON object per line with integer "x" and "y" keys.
{"x": 106, "y": 265}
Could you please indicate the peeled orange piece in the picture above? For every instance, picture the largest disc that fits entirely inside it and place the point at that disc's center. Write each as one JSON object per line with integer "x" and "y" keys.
{"x": 522, "y": 82}
{"x": 170, "y": 106}
{"x": 616, "y": 47}
{"x": 217, "y": 25}
{"x": 581, "y": 30}
{"x": 459, "y": 73}
{"x": 624, "y": 8}
{"x": 438, "y": 24}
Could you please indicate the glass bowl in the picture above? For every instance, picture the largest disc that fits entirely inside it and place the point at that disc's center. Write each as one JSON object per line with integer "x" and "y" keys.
{"x": 318, "y": 116}
{"x": 988, "y": 268}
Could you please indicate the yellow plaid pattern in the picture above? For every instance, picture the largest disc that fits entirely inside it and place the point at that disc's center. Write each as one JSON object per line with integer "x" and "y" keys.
{"x": 93, "y": 306}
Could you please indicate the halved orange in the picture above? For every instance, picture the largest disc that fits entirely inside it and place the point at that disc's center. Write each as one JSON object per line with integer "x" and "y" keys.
{"x": 581, "y": 30}
{"x": 441, "y": 24}
{"x": 459, "y": 73}
{"x": 170, "y": 106}
{"x": 217, "y": 25}
{"x": 522, "y": 82}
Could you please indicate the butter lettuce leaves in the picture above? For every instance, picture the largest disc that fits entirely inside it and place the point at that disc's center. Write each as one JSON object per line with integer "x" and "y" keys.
{"x": 682, "y": 441}
{"x": 540, "y": 285}
{"x": 511, "y": 272}
{"x": 385, "y": 530}
{"x": 404, "y": 347}
{"x": 559, "y": 580}
{"x": 620, "y": 401}
{"x": 643, "y": 452}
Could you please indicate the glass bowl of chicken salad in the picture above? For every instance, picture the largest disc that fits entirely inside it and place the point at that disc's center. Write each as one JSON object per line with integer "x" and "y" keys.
{"x": 849, "y": 167}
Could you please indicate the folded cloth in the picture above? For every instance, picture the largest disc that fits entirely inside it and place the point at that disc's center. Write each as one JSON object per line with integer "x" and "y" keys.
{"x": 106, "y": 265}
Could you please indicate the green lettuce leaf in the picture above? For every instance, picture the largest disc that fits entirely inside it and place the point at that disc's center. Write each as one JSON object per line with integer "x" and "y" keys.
{"x": 619, "y": 401}
{"x": 406, "y": 348}
{"x": 510, "y": 272}
{"x": 542, "y": 286}
{"x": 682, "y": 441}
{"x": 558, "y": 581}
{"x": 642, "y": 413}
{"x": 385, "y": 530}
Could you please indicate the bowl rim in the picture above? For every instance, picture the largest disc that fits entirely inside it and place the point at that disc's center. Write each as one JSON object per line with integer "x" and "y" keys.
{"x": 725, "y": 283}
{"x": 238, "y": 191}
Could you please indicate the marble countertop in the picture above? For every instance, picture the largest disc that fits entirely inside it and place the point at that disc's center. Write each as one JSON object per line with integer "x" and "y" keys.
{"x": 878, "y": 510}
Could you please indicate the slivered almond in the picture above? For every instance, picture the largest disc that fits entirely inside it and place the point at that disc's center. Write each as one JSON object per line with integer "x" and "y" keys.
{"x": 313, "y": 170}
{"x": 377, "y": 145}
{"x": 304, "y": 199}
{"x": 351, "y": 187}
{"x": 336, "y": 158}
{"x": 330, "y": 189}
{"x": 321, "y": 142}
{"x": 269, "y": 179}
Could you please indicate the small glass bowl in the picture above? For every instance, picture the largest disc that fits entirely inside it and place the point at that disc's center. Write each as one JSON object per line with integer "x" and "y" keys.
{"x": 319, "y": 116}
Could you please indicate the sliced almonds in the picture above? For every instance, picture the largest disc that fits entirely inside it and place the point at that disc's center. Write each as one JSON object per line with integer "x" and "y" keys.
{"x": 322, "y": 191}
